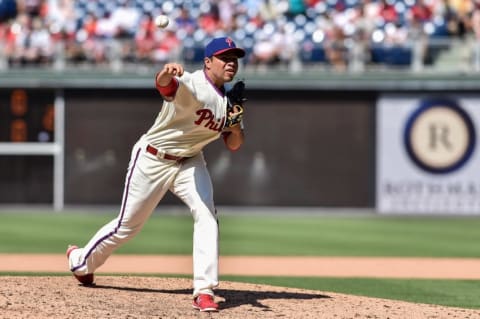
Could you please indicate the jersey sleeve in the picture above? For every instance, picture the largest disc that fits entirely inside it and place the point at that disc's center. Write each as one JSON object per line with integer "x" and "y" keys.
{"x": 184, "y": 97}
{"x": 169, "y": 90}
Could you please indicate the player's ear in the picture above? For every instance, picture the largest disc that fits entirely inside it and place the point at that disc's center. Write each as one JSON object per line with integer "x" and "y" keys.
{"x": 208, "y": 62}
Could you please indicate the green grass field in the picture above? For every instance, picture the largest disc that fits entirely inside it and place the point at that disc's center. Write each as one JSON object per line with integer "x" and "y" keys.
{"x": 318, "y": 235}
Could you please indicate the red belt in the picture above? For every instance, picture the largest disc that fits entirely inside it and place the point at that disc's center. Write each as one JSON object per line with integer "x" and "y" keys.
{"x": 152, "y": 150}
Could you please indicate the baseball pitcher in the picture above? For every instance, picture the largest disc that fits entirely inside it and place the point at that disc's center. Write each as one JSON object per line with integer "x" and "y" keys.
{"x": 197, "y": 109}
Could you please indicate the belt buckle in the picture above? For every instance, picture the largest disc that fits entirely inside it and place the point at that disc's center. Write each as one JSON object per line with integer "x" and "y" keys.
{"x": 161, "y": 154}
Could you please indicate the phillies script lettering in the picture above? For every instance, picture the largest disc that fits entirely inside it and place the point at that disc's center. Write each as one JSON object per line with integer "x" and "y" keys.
{"x": 207, "y": 119}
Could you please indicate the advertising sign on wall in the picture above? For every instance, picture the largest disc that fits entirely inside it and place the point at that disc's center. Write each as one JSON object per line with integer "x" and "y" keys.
{"x": 428, "y": 157}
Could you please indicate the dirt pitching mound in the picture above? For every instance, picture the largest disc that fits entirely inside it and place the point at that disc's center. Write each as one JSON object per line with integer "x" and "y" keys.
{"x": 149, "y": 297}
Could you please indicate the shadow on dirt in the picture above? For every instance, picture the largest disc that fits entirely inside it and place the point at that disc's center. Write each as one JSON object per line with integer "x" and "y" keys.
{"x": 233, "y": 298}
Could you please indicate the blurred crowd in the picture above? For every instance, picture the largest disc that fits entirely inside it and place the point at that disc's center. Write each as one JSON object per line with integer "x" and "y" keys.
{"x": 274, "y": 32}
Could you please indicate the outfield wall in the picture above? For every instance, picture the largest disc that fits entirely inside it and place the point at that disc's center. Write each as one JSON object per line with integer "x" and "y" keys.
{"x": 304, "y": 148}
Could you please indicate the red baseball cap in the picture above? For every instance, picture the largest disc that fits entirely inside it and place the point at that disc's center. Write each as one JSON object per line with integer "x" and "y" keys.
{"x": 221, "y": 45}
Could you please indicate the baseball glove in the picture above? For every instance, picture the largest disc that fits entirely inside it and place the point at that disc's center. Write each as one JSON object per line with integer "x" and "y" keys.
{"x": 235, "y": 101}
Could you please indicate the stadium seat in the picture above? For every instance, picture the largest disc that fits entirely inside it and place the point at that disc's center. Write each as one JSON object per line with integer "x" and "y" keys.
{"x": 399, "y": 56}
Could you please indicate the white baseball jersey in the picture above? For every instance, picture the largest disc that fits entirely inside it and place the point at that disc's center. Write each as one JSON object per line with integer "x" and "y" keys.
{"x": 193, "y": 118}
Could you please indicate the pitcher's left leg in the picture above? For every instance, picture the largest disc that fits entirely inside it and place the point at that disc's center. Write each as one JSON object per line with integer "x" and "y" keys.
{"x": 194, "y": 187}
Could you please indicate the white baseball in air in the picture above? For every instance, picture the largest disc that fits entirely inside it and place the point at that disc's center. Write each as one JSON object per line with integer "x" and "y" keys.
{"x": 161, "y": 21}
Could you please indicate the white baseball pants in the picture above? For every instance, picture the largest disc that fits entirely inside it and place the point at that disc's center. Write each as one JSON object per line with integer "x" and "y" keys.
{"x": 147, "y": 181}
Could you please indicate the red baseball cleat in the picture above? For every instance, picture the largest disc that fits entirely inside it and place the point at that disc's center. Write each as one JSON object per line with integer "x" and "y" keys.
{"x": 205, "y": 302}
{"x": 87, "y": 279}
